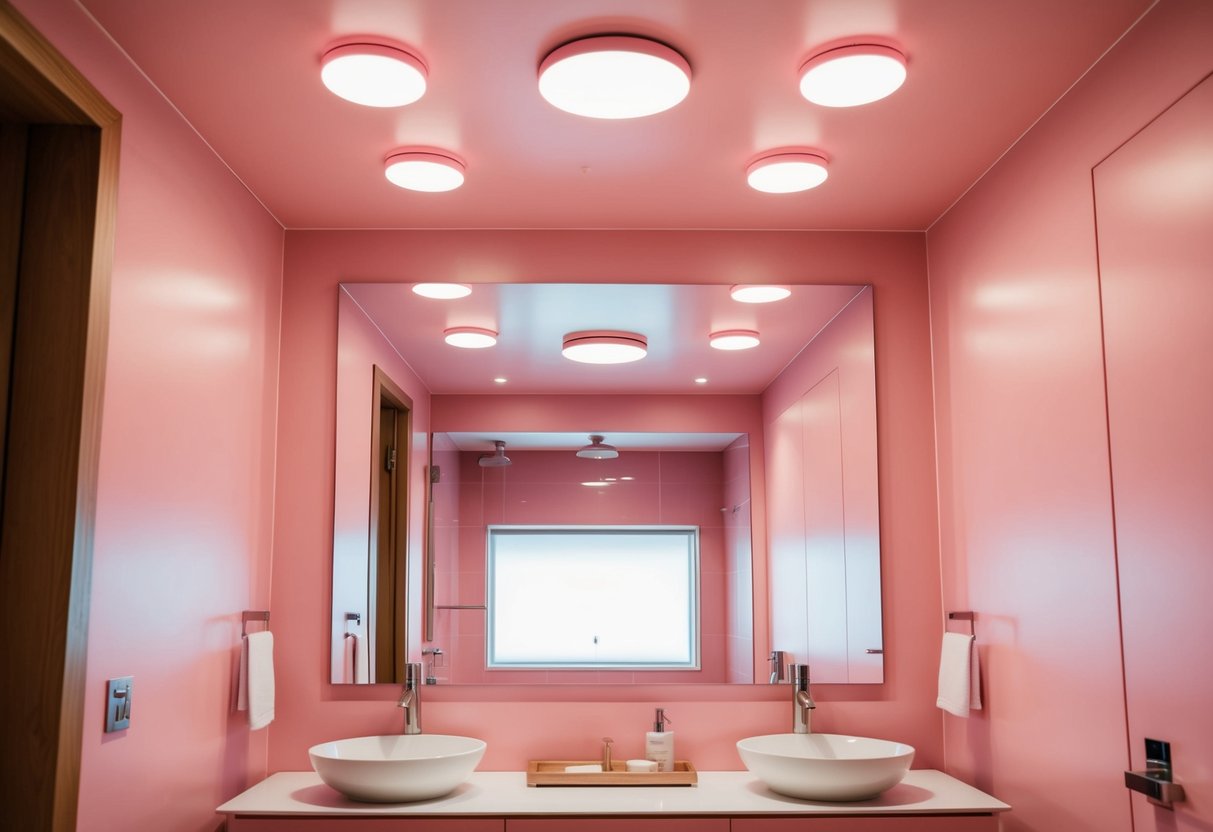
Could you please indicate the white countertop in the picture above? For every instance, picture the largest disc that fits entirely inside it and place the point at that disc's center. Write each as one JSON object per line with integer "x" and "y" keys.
{"x": 505, "y": 794}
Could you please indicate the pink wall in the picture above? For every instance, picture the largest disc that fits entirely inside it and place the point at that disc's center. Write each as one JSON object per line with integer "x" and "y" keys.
{"x": 544, "y": 488}
{"x": 739, "y": 572}
{"x": 520, "y": 724}
{"x": 1025, "y": 493}
{"x": 361, "y": 348}
{"x": 184, "y": 509}
{"x": 1154, "y": 211}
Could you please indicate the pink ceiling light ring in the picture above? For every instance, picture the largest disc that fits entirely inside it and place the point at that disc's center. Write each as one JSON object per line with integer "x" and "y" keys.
{"x": 604, "y": 347}
{"x": 852, "y": 75}
{"x": 733, "y": 339}
{"x": 424, "y": 170}
{"x": 788, "y": 171}
{"x": 373, "y": 74}
{"x": 470, "y": 337}
{"x": 614, "y": 77}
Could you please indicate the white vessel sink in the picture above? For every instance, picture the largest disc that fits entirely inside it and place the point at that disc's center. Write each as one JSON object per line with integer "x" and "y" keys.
{"x": 826, "y": 766}
{"x": 396, "y": 768}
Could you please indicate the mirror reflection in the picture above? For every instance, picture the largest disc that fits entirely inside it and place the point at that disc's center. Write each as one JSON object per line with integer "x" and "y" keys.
{"x": 564, "y": 558}
{"x": 527, "y": 482}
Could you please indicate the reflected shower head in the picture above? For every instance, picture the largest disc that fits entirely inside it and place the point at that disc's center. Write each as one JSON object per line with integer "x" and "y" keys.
{"x": 597, "y": 449}
{"x": 497, "y": 459}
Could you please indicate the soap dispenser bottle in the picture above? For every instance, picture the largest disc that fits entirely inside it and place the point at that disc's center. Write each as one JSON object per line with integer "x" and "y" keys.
{"x": 659, "y": 743}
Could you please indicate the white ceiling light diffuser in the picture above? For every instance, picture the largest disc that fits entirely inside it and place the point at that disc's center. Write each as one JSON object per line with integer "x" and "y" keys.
{"x": 759, "y": 294}
{"x": 733, "y": 339}
{"x": 442, "y": 291}
{"x": 787, "y": 172}
{"x": 373, "y": 74}
{"x": 852, "y": 75}
{"x": 469, "y": 337}
{"x": 604, "y": 347}
{"x": 425, "y": 171}
{"x": 614, "y": 77}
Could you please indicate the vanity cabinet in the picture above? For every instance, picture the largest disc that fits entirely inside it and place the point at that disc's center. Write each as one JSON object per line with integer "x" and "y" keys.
{"x": 267, "y": 824}
{"x": 618, "y": 824}
{"x": 911, "y": 823}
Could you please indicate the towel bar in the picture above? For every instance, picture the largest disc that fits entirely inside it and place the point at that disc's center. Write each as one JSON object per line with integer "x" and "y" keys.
{"x": 253, "y": 615}
{"x": 964, "y": 616}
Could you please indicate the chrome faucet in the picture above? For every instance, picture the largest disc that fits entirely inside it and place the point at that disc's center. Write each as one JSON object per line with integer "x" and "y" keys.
{"x": 410, "y": 698}
{"x": 802, "y": 700}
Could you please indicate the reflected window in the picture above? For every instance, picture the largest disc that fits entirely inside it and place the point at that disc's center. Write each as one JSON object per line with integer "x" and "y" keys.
{"x": 593, "y": 597}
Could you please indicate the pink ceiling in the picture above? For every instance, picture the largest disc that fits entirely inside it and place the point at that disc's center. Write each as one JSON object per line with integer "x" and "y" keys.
{"x": 532, "y": 320}
{"x": 245, "y": 73}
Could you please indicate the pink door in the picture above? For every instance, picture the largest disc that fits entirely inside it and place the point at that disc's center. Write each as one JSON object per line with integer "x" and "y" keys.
{"x": 1154, "y": 217}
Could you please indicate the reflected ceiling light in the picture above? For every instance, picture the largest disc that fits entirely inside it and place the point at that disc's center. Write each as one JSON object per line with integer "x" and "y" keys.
{"x": 759, "y": 294}
{"x": 500, "y": 380}
{"x": 614, "y": 76}
{"x": 604, "y": 347}
{"x": 470, "y": 337}
{"x": 597, "y": 449}
{"x": 598, "y": 484}
{"x": 427, "y": 171}
{"x": 787, "y": 172}
{"x": 497, "y": 459}
{"x": 733, "y": 339}
{"x": 852, "y": 75}
{"x": 373, "y": 74}
{"x": 442, "y": 291}
{"x": 701, "y": 380}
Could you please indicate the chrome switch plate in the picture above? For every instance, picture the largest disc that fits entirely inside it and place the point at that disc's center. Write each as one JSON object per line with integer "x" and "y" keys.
{"x": 118, "y": 703}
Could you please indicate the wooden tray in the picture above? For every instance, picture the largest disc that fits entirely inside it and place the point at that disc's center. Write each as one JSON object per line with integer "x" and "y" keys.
{"x": 552, "y": 773}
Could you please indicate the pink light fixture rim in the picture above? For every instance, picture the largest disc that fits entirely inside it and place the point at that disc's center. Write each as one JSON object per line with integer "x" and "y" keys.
{"x": 470, "y": 330}
{"x": 613, "y": 43}
{"x": 720, "y": 335}
{"x": 595, "y": 337}
{"x": 361, "y": 45}
{"x": 805, "y": 155}
{"x": 426, "y": 154}
{"x": 851, "y": 48}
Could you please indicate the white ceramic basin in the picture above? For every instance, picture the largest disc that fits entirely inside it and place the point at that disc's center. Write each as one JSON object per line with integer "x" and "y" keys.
{"x": 826, "y": 766}
{"x": 398, "y": 768}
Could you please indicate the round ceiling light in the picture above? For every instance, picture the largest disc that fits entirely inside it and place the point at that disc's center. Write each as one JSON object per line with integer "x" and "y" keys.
{"x": 598, "y": 347}
{"x": 373, "y": 74}
{"x": 852, "y": 75}
{"x": 733, "y": 339}
{"x": 424, "y": 171}
{"x": 442, "y": 291}
{"x": 759, "y": 294}
{"x": 470, "y": 337}
{"x": 614, "y": 76}
{"x": 786, "y": 173}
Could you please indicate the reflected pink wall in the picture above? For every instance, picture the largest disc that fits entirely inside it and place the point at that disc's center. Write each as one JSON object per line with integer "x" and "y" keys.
{"x": 185, "y": 491}
{"x": 545, "y": 488}
{"x": 1025, "y": 492}
{"x": 524, "y": 724}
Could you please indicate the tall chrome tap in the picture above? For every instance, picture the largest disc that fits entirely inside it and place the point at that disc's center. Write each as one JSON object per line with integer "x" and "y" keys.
{"x": 410, "y": 698}
{"x": 802, "y": 700}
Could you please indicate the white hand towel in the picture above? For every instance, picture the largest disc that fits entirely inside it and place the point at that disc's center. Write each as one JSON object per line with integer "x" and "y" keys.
{"x": 959, "y": 675}
{"x": 256, "y": 685}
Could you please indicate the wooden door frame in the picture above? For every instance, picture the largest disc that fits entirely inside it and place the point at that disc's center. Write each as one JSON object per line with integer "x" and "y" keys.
{"x": 46, "y": 560}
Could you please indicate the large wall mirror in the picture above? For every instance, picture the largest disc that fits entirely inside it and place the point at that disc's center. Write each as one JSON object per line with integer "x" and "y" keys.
{"x": 526, "y": 554}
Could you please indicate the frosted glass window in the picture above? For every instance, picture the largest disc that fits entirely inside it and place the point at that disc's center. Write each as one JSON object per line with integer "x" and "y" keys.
{"x": 613, "y": 597}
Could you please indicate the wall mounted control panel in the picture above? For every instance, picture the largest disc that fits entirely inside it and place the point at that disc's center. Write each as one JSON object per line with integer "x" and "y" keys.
{"x": 118, "y": 703}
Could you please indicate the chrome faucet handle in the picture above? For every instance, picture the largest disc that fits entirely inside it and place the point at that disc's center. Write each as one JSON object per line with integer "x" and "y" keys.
{"x": 800, "y": 676}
